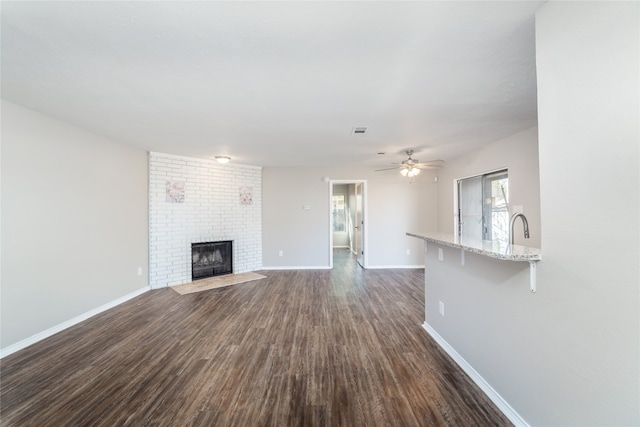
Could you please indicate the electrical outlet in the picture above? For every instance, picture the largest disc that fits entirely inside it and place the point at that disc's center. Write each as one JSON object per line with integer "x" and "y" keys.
{"x": 441, "y": 308}
{"x": 139, "y": 271}
{"x": 408, "y": 251}
{"x": 280, "y": 253}
{"x": 440, "y": 254}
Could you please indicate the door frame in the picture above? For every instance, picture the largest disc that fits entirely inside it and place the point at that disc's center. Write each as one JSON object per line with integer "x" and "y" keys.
{"x": 365, "y": 227}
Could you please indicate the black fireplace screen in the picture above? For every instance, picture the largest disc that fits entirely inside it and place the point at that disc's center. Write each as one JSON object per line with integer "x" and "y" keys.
{"x": 211, "y": 259}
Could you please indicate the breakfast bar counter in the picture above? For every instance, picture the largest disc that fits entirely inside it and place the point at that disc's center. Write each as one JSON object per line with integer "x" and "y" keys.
{"x": 491, "y": 248}
{"x": 497, "y": 249}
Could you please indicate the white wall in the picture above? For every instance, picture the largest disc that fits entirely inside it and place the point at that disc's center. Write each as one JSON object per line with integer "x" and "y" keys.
{"x": 394, "y": 206}
{"x": 588, "y": 73}
{"x": 211, "y": 211}
{"x": 567, "y": 355}
{"x": 74, "y": 222}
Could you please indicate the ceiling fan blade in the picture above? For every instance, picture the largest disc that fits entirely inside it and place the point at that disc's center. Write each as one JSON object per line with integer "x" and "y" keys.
{"x": 415, "y": 163}
{"x": 431, "y": 163}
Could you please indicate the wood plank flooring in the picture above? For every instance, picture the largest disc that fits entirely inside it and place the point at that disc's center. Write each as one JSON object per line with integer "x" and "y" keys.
{"x": 341, "y": 347}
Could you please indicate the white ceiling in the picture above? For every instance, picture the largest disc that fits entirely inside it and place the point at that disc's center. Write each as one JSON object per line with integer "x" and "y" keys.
{"x": 278, "y": 83}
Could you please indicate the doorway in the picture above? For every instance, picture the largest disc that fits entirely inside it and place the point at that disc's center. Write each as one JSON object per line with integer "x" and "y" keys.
{"x": 347, "y": 230}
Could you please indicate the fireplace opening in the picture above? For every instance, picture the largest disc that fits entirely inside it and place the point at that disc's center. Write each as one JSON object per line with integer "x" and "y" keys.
{"x": 211, "y": 259}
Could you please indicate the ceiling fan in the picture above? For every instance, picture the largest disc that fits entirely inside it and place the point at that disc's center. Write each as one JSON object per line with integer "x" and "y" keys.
{"x": 411, "y": 167}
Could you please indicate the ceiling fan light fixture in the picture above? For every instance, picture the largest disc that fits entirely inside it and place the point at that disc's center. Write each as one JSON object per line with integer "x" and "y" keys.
{"x": 222, "y": 159}
{"x": 410, "y": 171}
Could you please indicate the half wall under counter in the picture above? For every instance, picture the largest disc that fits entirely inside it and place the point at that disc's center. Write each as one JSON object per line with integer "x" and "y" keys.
{"x": 475, "y": 309}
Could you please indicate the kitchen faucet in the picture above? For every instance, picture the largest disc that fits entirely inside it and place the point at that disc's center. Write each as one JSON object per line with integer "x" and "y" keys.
{"x": 512, "y": 223}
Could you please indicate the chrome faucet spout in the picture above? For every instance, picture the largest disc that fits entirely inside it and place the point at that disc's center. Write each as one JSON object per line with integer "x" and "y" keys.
{"x": 512, "y": 222}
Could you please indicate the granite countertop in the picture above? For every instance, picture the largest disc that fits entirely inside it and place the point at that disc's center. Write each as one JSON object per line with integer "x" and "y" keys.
{"x": 491, "y": 248}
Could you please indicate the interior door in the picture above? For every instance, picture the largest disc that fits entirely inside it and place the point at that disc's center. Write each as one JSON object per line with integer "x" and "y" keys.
{"x": 359, "y": 225}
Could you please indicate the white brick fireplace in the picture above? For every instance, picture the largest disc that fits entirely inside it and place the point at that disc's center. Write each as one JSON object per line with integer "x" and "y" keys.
{"x": 195, "y": 200}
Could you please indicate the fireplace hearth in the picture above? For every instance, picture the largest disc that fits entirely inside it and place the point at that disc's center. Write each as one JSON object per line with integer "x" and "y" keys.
{"x": 211, "y": 259}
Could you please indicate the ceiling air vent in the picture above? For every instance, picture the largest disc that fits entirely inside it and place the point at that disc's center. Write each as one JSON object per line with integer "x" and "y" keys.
{"x": 360, "y": 130}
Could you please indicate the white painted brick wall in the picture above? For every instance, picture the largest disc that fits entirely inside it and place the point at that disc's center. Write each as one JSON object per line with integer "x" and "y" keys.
{"x": 211, "y": 211}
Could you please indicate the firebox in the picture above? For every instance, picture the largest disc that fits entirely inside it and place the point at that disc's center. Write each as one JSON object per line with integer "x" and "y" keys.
{"x": 211, "y": 259}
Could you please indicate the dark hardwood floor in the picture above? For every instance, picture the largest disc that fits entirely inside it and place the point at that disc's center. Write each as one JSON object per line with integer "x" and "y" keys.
{"x": 341, "y": 347}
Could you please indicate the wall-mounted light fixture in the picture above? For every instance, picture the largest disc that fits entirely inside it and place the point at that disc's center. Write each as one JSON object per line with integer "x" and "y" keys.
{"x": 222, "y": 159}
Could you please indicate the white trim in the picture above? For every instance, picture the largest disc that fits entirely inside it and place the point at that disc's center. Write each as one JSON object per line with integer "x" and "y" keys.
{"x": 71, "y": 322}
{"x": 491, "y": 393}
{"x": 490, "y": 171}
{"x": 297, "y": 267}
{"x": 373, "y": 267}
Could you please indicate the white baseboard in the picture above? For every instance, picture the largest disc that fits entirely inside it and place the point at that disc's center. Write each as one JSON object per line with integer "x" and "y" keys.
{"x": 325, "y": 267}
{"x": 297, "y": 267}
{"x": 64, "y": 325}
{"x": 491, "y": 393}
{"x": 372, "y": 267}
